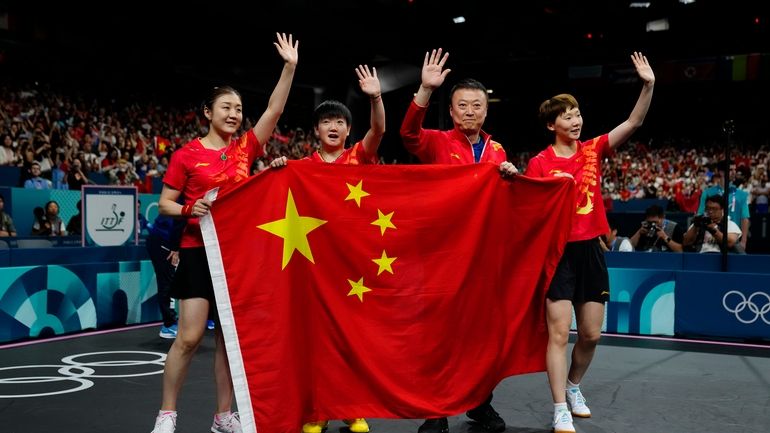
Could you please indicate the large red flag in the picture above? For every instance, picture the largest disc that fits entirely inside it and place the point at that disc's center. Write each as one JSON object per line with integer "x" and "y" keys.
{"x": 381, "y": 291}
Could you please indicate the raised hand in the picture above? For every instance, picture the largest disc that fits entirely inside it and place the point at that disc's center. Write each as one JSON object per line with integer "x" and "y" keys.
{"x": 433, "y": 72}
{"x": 368, "y": 81}
{"x": 643, "y": 68}
{"x": 287, "y": 48}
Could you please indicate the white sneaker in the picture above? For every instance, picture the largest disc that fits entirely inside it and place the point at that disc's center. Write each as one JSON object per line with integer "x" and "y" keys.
{"x": 562, "y": 422}
{"x": 230, "y": 423}
{"x": 577, "y": 403}
{"x": 165, "y": 422}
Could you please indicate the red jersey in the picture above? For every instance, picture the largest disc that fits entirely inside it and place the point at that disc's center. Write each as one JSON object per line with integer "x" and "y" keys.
{"x": 194, "y": 170}
{"x": 590, "y": 219}
{"x": 354, "y": 155}
{"x": 444, "y": 147}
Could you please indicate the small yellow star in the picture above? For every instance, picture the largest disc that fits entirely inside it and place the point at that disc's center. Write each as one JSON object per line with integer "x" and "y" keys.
{"x": 384, "y": 263}
{"x": 383, "y": 221}
{"x": 294, "y": 229}
{"x": 358, "y": 289}
{"x": 356, "y": 192}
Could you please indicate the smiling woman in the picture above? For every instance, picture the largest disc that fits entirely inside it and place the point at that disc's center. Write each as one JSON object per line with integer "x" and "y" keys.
{"x": 217, "y": 159}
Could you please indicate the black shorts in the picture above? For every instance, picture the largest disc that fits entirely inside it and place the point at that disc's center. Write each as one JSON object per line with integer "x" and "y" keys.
{"x": 192, "y": 278}
{"x": 582, "y": 274}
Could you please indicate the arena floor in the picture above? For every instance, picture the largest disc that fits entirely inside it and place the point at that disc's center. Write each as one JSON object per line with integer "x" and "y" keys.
{"x": 113, "y": 384}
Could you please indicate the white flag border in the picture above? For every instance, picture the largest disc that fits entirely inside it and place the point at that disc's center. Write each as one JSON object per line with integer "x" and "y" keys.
{"x": 226, "y": 319}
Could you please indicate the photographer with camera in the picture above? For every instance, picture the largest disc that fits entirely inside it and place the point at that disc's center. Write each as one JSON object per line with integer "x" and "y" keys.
{"x": 705, "y": 235}
{"x": 657, "y": 233}
{"x": 737, "y": 200}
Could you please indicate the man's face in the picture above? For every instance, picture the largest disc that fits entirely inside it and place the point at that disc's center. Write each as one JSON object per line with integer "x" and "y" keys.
{"x": 469, "y": 110}
{"x": 35, "y": 170}
{"x": 714, "y": 211}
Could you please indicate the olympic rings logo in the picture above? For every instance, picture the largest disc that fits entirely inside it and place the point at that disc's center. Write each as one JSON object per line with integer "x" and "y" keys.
{"x": 74, "y": 369}
{"x": 736, "y": 302}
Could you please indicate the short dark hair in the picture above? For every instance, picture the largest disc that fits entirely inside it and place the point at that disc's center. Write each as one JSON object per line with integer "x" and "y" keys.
{"x": 469, "y": 84}
{"x": 654, "y": 210}
{"x": 716, "y": 198}
{"x": 331, "y": 109}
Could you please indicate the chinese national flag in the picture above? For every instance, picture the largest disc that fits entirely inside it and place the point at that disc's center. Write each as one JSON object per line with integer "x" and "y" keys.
{"x": 161, "y": 144}
{"x": 381, "y": 291}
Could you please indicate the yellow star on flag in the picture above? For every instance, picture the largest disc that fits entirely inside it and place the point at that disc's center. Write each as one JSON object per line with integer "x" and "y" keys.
{"x": 294, "y": 229}
{"x": 358, "y": 289}
{"x": 384, "y": 263}
{"x": 383, "y": 221}
{"x": 356, "y": 192}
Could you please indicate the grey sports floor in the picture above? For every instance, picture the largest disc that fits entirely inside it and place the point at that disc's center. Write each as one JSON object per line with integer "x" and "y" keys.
{"x": 634, "y": 385}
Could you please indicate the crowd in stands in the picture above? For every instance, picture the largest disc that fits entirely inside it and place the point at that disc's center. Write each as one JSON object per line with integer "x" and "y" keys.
{"x": 61, "y": 142}
{"x": 64, "y": 142}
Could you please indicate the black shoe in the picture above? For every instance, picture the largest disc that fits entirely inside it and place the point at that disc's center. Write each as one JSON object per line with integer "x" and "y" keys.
{"x": 487, "y": 417}
{"x": 435, "y": 425}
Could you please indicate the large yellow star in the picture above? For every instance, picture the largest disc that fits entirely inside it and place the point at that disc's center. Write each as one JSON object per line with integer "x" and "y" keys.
{"x": 358, "y": 289}
{"x": 384, "y": 263}
{"x": 383, "y": 221}
{"x": 356, "y": 192}
{"x": 293, "y": 229}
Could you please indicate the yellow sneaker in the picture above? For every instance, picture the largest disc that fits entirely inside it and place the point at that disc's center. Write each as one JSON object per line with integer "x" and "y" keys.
{"x": 316, "y": 427}
{"x": 357, "y": 425}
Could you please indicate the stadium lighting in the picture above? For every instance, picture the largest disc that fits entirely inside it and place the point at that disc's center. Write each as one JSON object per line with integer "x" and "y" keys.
{"x": 639, "y": 5}
{"x": 657, "y": 25}
{"x": 458, "y": 20}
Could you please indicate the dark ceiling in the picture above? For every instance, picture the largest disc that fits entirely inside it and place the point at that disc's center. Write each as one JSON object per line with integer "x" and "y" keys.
{"x": 521, "y": 48}
{"x": 225, "y": 38}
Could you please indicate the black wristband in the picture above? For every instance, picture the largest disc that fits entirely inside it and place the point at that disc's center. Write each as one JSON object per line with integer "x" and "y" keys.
{"x": 668, "y": 240}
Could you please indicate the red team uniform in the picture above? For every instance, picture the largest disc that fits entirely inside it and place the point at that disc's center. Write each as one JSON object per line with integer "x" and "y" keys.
{"x": 590, "y": 219}
{"x": 353, "y": 155}
{"x": 433, "y": 146}
{"x": 194, "y": 170}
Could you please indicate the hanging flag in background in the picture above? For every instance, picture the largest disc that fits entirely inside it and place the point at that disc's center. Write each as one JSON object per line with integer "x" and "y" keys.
{"x": 741, "y": 67}
{"x": 688, "y": 70}
{"x": 381, "y": 291}
{"x": 161, "y": 144}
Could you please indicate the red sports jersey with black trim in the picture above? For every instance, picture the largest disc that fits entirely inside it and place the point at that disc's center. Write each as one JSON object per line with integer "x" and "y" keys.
{"x": 353, "y": 155}
{"x": 194, "y": 169}
{"x": 433, "y": 146}
{"x": 590, "y": 218}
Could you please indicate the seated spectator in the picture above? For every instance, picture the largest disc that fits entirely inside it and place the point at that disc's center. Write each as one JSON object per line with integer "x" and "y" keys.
{"x": 657, "y": 233}
{"x": 612, "y": 242}
{"x": 738, "y": 199}
{"x": 705, "y": 235}
{"x": 75, "y": 224}
{"x": 6, "y": 222}
{"x": 35, "y": 181}
{"x": 50, "y": 224}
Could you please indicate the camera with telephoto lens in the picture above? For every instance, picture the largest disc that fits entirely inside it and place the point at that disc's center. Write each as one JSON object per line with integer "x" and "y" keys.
{"x": 701, "y": 221}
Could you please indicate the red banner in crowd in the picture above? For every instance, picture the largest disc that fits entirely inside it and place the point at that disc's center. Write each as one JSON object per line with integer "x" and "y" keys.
{"x": 382, "y": 291}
